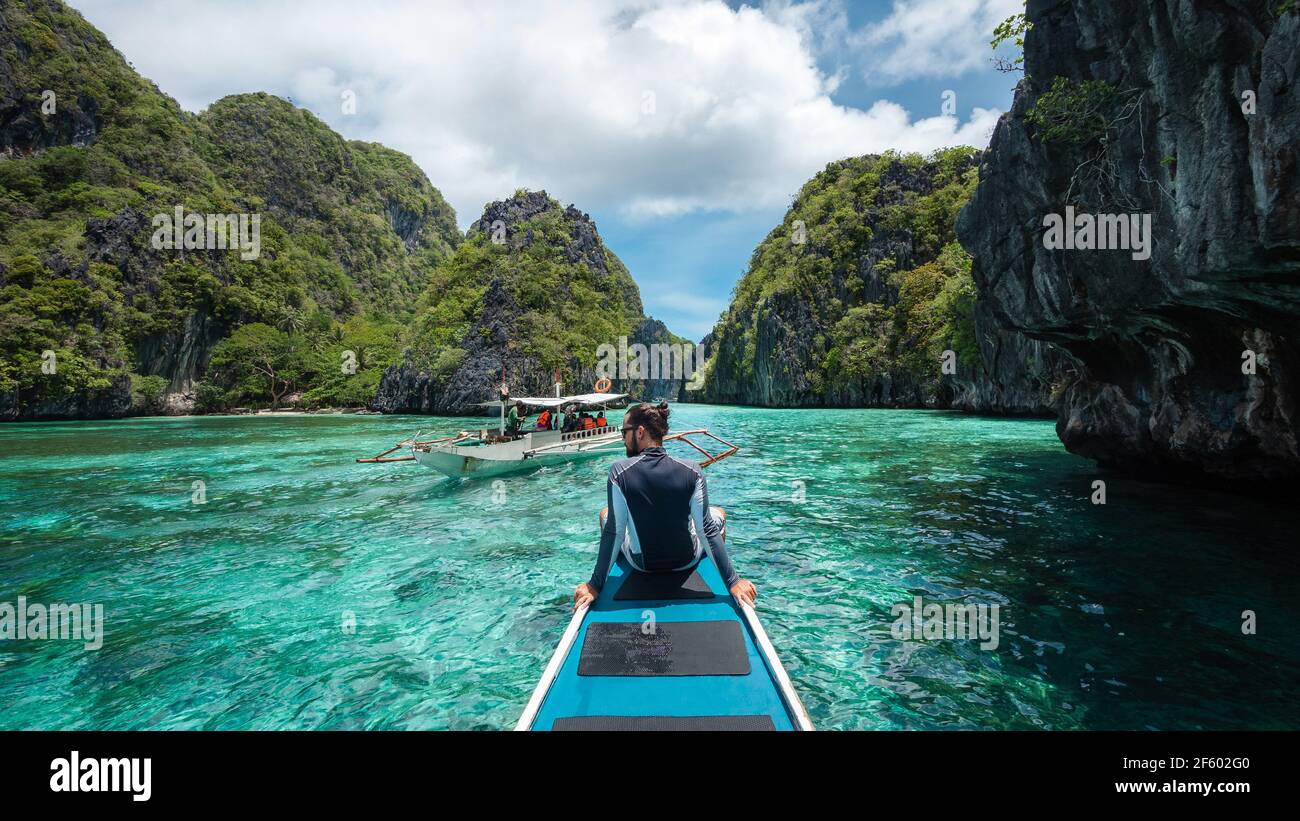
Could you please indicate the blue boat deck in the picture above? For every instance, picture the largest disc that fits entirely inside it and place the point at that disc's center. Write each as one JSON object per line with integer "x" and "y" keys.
{"x": 667, "y": 698}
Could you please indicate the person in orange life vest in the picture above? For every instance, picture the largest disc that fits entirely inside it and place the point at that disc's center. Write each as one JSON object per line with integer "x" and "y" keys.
{"x": 544, "y": 420}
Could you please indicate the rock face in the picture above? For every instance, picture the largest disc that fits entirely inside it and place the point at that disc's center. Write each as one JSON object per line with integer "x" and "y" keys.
{"x": 853, "y": 299}
{"x": 667, "y": 384}
{"x": 110, "y": 403}
{"x": 583, "y": 247}
{"x": 1018, "y": 376}
{"x": 121, "y": 241}
{"x": 408, "y": 388}
{"x": 314, "y": 181}
{"x": 1198, "y": 118}
{"x": 29, "y": 125}
{"x": 528, "y": 327}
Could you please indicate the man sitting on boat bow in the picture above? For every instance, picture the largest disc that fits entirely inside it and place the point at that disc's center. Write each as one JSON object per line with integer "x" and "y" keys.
{"x": 659, "y": 515}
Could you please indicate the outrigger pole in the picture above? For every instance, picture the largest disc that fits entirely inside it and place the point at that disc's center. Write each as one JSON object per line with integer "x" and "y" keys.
{"x": 412, "y": 442}
{"x": 710, "y": 458}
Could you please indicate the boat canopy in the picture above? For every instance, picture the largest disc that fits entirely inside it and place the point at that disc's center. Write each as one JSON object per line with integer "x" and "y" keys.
{"x": 581, "y": 400}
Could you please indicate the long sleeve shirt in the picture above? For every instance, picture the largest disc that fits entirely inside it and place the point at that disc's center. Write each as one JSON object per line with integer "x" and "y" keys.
{"x": 659, "y": 509}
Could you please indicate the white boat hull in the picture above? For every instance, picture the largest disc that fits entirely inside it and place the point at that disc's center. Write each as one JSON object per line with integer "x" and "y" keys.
{"x": 529, "y": 451}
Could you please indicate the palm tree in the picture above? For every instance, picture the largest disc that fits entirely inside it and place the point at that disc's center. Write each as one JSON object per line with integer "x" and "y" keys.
{"x": 291, "y": 320}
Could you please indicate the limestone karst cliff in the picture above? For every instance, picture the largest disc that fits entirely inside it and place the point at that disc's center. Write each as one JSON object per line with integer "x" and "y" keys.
{"x": 532, "y": 290}
{"x": 853, "y": 300}
{"x": 1187, "y": 112}
{"x": 91, "y": 152}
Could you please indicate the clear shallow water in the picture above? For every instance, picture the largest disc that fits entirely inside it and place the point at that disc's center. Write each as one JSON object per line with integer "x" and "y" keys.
{"x": 229, "y": 615}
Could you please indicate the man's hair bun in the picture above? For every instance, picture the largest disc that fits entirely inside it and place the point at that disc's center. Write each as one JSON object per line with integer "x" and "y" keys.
{"x": 654, "y": 417}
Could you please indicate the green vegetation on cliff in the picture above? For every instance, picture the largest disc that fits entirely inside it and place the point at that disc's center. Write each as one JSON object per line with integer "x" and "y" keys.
{"x": 340, "y": 365}
{"x": 366, "y": 222}
{"x": 934, "y": 313}
{"x": 349, "y": 232}
{"x": 862, "y": 280}
{"x": 568, "y": 292}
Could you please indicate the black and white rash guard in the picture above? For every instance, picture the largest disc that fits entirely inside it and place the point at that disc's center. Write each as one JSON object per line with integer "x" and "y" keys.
{"x": 659, "y": 518}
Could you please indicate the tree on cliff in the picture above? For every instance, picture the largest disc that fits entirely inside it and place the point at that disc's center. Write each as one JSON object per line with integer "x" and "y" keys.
{"x": 258, "y": 362}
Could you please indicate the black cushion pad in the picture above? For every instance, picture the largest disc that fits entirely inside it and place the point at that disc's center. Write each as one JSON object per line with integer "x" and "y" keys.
{"x": 684, "y": 648}
{"x": 677, "y": 584}
{"x": 644, "y": 723}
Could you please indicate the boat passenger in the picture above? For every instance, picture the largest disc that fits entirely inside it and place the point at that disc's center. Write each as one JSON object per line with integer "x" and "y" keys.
{"x": 600, "y": 420}
{"x": 544, "y": 419}
{"x": 587, "y": 422}
{"x": 515, "y": 419}
{"x": 659, "y": 515}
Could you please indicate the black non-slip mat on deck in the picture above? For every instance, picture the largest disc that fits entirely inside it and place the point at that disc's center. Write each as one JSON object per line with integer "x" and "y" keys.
{"x": 677, "y": 584}
{"x": 670, "y": 723}
{"x": 682, "y": 648}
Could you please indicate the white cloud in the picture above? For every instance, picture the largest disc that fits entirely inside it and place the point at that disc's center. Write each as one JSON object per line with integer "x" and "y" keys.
{"x": 933, "y": 38}
{"x": 647, "y": 108}
{"x": 822, "y": 25}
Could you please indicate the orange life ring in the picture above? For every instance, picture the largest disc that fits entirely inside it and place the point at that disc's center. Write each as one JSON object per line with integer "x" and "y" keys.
{"x": 602, "y": 385}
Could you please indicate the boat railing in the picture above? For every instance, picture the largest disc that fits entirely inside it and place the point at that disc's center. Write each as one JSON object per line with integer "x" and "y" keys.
{"x": 552, "y": 670}
{"x": 794, "y": 706}
{"x": 587, "y": 434}
{"x": 577, "y": 436}
{"x": 684, "y": 436}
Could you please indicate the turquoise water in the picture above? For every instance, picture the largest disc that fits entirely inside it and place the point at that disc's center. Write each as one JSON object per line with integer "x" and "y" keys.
{"x": 231, "y": 614}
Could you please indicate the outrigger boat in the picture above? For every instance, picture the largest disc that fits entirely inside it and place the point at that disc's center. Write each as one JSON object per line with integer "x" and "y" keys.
{"x": 486, "y": 454}
{"x": 665, "y": 651}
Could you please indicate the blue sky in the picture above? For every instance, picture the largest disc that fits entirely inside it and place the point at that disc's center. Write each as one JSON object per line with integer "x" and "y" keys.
{"x": 683, "y": 127}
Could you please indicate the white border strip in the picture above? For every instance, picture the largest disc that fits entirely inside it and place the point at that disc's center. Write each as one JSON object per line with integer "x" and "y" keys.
{"x": 802, "y": 721}
{"x": 552, "y": 671}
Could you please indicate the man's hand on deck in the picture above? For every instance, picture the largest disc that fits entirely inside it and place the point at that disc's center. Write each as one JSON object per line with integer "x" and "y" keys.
{"x": 584, "y": 594}
{"x": 745, "y": 591}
